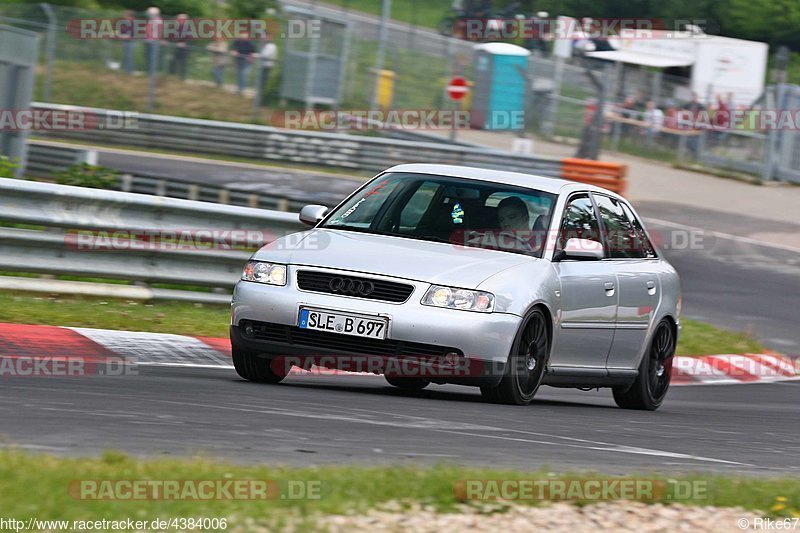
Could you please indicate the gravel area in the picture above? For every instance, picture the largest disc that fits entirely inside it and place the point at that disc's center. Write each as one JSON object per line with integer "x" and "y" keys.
{"x": 606, "y": 516}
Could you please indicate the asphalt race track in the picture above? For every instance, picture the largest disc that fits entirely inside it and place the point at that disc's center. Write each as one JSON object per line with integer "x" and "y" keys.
{"x": 335, "y": 419}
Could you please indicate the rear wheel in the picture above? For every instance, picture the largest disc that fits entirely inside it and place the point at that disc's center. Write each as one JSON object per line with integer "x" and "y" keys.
{"x": 253, "y": 368}
{"x": 526, "y": 364}
{"x": 655, "y": 371}
{"x": 407, "y": 383}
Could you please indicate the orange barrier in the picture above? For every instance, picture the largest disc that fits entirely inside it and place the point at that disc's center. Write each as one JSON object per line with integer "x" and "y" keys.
{"x": 610, "y": 176}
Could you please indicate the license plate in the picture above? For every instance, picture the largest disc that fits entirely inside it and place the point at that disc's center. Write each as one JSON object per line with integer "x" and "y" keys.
{"x": 343, "y": 323}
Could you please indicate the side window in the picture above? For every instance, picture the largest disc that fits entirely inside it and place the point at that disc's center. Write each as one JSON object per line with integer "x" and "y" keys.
{"x": 620, "y": 232}
{"x": 643, "y": 244}
{"x": 578, "y": 222}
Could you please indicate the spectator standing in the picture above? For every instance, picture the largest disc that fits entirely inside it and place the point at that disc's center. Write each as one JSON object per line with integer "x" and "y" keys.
{"x": 128, "y": 42}
{"x": 267, "y": 57}
{"x": 628, "y": 111}
{"x": 243, "y": 52}
{"x": 654, "y": 118}
{"x": 722, "y": 118}
{"x": 722, "y": 121}
{"x": 154, "y": 31}
{"x": 694, "y": 108}
{"x": 180, "y": 52}
{"x": 219, "y": 52}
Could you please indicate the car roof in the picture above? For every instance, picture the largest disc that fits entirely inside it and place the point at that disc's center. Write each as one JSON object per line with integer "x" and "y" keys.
{"x": 532, "y": 181}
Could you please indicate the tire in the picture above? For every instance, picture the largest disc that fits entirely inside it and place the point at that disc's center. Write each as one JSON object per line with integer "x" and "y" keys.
{"x": 655, "y": 371}
{"x": 526, "y": 364}
{"x": 256, "y": 369}
{"x": 407, "y": 383}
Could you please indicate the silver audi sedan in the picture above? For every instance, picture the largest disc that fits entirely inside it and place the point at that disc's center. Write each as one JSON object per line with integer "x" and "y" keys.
{"x": 445, "y": 274}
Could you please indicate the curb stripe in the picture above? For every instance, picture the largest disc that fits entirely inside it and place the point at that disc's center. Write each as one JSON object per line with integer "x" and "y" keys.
{"x": 169, "y": 350}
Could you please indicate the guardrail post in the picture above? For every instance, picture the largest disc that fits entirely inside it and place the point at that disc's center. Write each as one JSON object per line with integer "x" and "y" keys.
{"x": 283, "y": 204}
{"x": 194, "y": 192}
{"x": 161, "y": 188}
{"x": 87, "y": 156}
{"x": 126, "y": 183}
{"x": 224, "y": 196}
{"x": 252, "y": 200}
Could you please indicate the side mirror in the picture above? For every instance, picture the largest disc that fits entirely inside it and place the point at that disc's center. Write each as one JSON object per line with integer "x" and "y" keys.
{"x": 312, "y": 214}
{"x": 581, "y": 250}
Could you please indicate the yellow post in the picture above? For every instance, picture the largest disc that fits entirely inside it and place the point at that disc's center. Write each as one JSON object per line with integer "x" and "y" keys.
{"x": 466, "y": 102}
{"x": 385, "y": 88}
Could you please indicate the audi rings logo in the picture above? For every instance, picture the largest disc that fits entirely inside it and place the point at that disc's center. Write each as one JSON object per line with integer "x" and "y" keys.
{"x": 353, "y": 287}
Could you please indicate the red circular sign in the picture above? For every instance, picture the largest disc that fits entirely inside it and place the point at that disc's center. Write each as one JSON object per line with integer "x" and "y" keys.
{"x": 457, "y": 88}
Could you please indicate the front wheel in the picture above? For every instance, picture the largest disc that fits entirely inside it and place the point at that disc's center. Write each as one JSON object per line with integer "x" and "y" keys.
{"x": 655, "y": 371}
{"x": 526, "y": 364}
{"x": 253, "y": 368}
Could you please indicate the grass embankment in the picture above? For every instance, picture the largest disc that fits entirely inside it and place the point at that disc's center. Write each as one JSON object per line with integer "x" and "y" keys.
{"x": 335, "y": 489}
{"x": 697, "y": 338}
{"x": 93, "y": 85}
{"x": 426, "y": 13}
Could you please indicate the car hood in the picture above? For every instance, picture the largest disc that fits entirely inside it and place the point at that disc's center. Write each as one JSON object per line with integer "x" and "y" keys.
{"x": 430, "y": 262}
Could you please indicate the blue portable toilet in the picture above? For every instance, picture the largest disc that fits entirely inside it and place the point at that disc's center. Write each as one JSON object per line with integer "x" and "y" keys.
{"x": 498, "y": 93}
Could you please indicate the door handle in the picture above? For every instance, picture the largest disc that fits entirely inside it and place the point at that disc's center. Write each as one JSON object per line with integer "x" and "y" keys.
{"x": 651, "y": 287}
{"x": 609, "y": 286}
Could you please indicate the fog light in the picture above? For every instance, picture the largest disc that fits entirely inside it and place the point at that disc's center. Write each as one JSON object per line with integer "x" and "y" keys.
{"x": 248, "y": 329}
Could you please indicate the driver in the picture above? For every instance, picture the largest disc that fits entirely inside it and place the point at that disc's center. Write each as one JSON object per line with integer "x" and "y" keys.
{"x": 512, "y": 215}
{"x": 515, "y": 221}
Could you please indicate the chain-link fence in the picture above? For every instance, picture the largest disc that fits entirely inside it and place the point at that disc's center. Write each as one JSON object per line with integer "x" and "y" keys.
{"x": 340, "y": 64}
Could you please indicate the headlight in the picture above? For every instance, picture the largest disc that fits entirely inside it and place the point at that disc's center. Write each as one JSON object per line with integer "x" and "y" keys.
{"x": 261, "y": 272}
{"x": 465, "y": 299}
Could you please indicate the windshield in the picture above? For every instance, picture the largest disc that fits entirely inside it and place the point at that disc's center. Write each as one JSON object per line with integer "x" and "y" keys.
{"x": 452, "y": 210}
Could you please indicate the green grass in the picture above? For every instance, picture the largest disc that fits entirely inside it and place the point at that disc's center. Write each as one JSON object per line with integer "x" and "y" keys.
{"x": 700, "y": 338}
{"x": 38, "y": 485}
{"x": 107, "y": 313}
{"x": 425, "y": 13}
{"x": 697, "y": 338}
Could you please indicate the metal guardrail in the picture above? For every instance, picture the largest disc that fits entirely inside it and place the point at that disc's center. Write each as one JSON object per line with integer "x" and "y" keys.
{"x": 174, "y": 188}
{"x": 45, "y": 159}
{"x": 357, "y": 152}
{"x": 61, "y": 209}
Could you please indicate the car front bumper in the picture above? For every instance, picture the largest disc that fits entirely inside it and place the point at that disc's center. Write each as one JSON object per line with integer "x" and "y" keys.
{"x": 479, "y": 336}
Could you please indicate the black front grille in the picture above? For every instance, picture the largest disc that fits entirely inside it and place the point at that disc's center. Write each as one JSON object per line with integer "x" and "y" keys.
{"x": 368, "y": 288}
{"x": 346, "y": 344}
